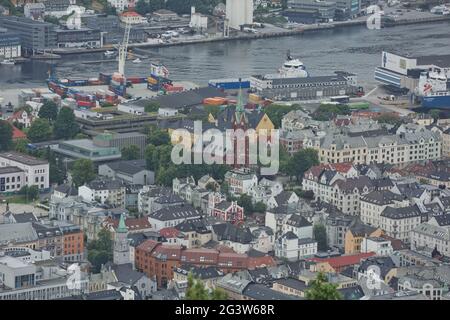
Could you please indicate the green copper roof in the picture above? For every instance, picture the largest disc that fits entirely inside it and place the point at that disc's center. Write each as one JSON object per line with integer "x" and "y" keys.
{"x": 122, "y": 228}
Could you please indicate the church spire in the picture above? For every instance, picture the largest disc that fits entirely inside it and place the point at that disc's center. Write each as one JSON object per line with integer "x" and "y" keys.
{"x": 122, "y": 228}
{"x": 239, "y": 104}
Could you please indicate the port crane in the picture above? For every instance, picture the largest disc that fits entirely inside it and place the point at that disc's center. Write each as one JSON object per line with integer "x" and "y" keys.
{"x": 123, "y": 49}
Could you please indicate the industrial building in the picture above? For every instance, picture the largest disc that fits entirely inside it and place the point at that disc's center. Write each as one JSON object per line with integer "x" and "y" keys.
{"x": 239, "y": 12}
{"x": 403, "y": 72}
{"x": 36, "y": 36}
{"x": 309, "y": 88}
{"x": 9, "y": 45}
{"x": 77, "y": 38}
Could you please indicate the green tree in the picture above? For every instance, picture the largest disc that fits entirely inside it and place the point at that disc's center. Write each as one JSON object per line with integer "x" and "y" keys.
{"x": 31, "y": 193}
{"x": 389, "y": 118}
{"x": 65, "y": 126}
{"x": 196, "y": 290}
{"x": 260, "y": 207}
{"x": 158, "y": 137}
{"x": 21, "y": 145}
{"x": 320, "y": 235}
{"x": 276, "y": 112}
{"x": 40, "y": 130}
{"x": 100, "y": 250}
{"x": 49, "y": 111}
{"x": 245, "y": 201}
{"x": 142, "y": 8}
{"x": 301, "y": 161}
{"x": 57, "y": 172}
{"x": 83, "y": 171}
{"x": 5, "y": 135}
{"x": 327, "y": 112}
{"x": 321, "y": 289}
{"x": 130, "y": 152}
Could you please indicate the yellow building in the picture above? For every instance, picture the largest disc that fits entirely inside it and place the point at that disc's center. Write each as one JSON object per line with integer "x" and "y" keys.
{"x": 355, "y": 235}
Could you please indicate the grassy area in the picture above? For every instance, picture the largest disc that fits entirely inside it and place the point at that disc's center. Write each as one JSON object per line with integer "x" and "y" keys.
{"x": 20, "y": 199}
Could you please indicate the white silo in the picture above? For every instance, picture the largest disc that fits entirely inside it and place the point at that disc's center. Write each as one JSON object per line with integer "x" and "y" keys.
{"x": 239, "y": 12}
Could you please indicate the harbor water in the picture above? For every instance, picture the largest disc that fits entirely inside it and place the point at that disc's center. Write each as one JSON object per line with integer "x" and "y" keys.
{"x": 352, "y": 49}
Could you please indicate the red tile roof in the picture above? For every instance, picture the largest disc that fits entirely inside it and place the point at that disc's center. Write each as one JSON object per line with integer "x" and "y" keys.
{"x": 18, "y": 134}
{"x": 257, "y": 262}
{"x": 148, "y": 245}
{"x": 344, "y": 261}
{"x": 169, "y": 232}
{"x": 130, "y": 14}
{"x": 131, "y": 223}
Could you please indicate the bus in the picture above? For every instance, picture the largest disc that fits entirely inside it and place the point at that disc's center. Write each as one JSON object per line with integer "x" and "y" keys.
{"x": 340, "y": 99}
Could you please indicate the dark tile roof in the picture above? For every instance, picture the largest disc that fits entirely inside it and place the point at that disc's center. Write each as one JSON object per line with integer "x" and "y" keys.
{"x": 67, "y": 189}
{"x": 385, "y": 264}
{"x": 381, "y": 197}
{"x": 283, "y": 197}
{"x": 197, "y": 225}
{"x": 129, "y": 167}
{"x": 401, "y": 213}
{"x": 293, "y": 283}
{"x": 352, "y": 293}
{"x": 230, "y": 232}
{"x": 24, "y": 217}
{"x": 175, "y": 212}
{"x": 106, "y": 184}
{"x": 289, "y": 235}
{"x": 358, "y": 228}
{"x": 298, "y": 221}
{"x": 261, "y": 292}
{"x": 203, "y": 273}
{"x": 126, "y": 274}
{"x": 350, "y": 184}
{"x": 443, "y": 220}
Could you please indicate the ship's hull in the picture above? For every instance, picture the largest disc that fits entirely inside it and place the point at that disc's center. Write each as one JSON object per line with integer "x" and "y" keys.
{"x": 439, "y": 102}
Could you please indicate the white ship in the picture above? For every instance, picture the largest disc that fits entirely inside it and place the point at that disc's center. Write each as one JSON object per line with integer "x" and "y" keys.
{"x": 291, "y": 68}
{"x": 137, "y": 60}
{"x": 109, "y": 53}
{"x": 8, "y": 62}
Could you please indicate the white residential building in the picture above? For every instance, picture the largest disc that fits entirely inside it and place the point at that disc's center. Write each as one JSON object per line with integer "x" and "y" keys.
{"x": 399, "y": 222}
{"x": 36, "y": 171}
{"x": 110, "y": 192}
{"x": 381, "y": 246}
{"x": 372, "y": 205}
{"x": 291, "y": 248}
{"x": 434, "y": 234}
{"x": 240, "y": 181}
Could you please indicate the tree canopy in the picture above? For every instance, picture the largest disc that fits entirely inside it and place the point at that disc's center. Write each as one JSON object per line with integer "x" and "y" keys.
{"x": 301, "y": 161}
{"x": 82, "y": 172}
{"x": 321, "y": 289}
{"x": 196, "y": 290}
{"x": 327, "y": 112}
{"x": 320, "y": 235}
{"x": 5, "y": 135}
{"x": 49, "y": 111}
{"x": 130, "y": 152}
{"x": 65, "y": 126}
{"x": 40, "y": 130}
{"x": 276, "y": 112}
{"x": 100, "y": 250}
